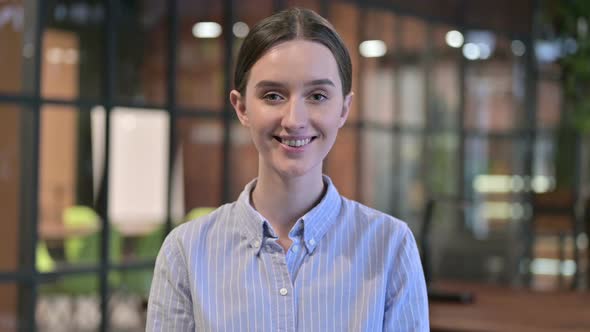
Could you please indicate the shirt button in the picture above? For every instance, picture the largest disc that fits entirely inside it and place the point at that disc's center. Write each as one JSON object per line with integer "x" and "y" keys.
{"x": 283, "y": 291}
{"x": 312, "y": 242}
{"x": 295, "y": 248}
{"x": 256, "y": 244}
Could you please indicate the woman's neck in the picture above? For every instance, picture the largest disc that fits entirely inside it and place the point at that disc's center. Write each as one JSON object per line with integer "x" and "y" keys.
{"x": 282, "y": 201}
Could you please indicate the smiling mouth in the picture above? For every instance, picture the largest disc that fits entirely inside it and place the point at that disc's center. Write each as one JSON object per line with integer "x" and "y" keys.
{"x": 295, "y": 143}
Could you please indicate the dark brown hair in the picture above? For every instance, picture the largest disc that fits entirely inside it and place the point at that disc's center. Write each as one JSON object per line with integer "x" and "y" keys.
{"x": 290, "y": 24}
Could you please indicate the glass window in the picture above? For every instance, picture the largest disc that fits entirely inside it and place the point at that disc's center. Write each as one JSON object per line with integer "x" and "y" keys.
{"x": 16, "y": 50}
{"x": 414, "y": 35}
{"x": 444, "y": 100}
{"x": 345, "y": 18}
{"x": 494, "y": 84}
{"x": 378, "y": 79}
{"x": 69, "y": 303}
{"x": 73, "y": 50}
{"x": 442, "y": 163}
{"x": 200, "y": 70}
{"x": 11, "y": 320}
{"x": 549, "y": 103}
{"x": 11, "y": 153}
{"x": 341, "y": 163}
{"x": 200, "y": 156}
{"x": 410, "y": 179}
{"x": 377, "y": 169}
{"x": 243, "y": 160}
{"x": 142, "y": 43}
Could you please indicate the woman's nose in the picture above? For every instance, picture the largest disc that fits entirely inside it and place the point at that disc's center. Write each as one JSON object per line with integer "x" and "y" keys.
{"x": 295, "y": 116}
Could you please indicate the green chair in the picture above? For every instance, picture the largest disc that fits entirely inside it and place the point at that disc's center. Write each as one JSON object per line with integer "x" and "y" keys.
{"x": 85, "y": 250}
{"x": 45, "y": 262}
{"x": 198, "y": 212}
{"x": 147, "y": 247}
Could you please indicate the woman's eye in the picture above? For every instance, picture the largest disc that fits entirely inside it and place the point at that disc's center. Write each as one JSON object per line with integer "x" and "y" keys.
{"x": 272, "y": 97}
{"x": 318, "y": 97}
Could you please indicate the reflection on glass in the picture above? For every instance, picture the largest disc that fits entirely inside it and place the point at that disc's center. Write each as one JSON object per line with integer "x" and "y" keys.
{"x": 377, "y": 166}
{"x": 341, "y": 163}
{"x": 10, "y": 171}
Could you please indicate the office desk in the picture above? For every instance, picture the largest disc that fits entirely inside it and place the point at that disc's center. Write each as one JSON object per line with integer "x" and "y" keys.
{"x": 504, "y": 309}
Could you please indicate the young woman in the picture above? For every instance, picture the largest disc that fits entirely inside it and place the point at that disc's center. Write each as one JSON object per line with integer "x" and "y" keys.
{"x": 290, "y": 254}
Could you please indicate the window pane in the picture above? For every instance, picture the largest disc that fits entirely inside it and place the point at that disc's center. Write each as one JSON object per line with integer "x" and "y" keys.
{"x": 494, "y": 85}
{"x": 243, "y": 160}
{"x": 69, "y": 303}
{"x": 342, "y": 162}
{"x": 412, "y": 94}
{"x": 378, "y": 85}
{"x": 73, "y": 50}
{"x": 414, "y": 35}
{"x": 549, "y": 103}
{"x": 201, "y": 146}
{"x": 345, "y": 18}
{"x": 444, "y": 105}
{"x": 12, "y": 294}
{"x": 142, "y": 42}
{"x": 494, "y": 178}
{"x": 17, "y": 54}
{"x": 410, "y": 179}
{"x": 128, "y": 302}
{"x": 69, "y": 225}
{"x": 377, "y": 174}
{"x": 442, "y": 161}
{"x": 200, "y": 71}
{"x": 10, "y": 184}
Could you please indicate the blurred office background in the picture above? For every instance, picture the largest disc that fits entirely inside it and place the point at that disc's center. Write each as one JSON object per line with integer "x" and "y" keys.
{"x": 115, "y": 127}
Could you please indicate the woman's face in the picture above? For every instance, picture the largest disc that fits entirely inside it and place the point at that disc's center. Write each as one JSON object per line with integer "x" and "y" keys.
{"x": 293, "y": 106}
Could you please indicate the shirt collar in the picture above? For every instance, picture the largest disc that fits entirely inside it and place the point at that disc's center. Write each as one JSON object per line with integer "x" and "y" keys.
{"x": 316, "y": 221}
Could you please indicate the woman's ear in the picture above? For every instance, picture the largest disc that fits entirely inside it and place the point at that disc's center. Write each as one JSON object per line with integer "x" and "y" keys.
{"x": 345, "y": 108}
{"x": 239, "y": 104}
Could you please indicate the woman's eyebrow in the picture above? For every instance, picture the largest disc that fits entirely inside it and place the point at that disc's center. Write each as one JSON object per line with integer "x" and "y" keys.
{"x": 323, "y": 81}
{"x": 274, "y": 84}
{"x": 269, "y": 84}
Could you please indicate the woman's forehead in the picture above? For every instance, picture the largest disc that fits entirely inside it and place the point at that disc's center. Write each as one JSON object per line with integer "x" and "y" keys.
{"x": 296, "y": 61}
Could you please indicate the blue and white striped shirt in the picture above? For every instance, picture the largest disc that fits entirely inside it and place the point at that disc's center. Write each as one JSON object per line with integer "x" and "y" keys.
{"x": 350, "y": 268}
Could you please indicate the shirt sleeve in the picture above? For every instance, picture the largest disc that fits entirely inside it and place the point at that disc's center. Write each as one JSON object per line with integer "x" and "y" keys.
{"x": 169, "y": 304}
{"x": 406, "y": 306}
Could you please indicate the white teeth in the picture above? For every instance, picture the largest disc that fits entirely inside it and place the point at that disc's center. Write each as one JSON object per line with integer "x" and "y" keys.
{"x": 296, "y": 142}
